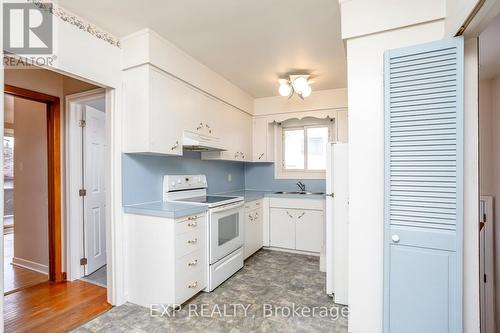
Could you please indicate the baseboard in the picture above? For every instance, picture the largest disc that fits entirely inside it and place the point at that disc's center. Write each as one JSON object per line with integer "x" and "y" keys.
{"x": 34, "y": 266}
{"x": 316, "y": 254}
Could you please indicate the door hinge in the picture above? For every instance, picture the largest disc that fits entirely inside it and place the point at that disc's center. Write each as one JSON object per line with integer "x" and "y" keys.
{"x": 82, "y": 192}
{"x": 82, "y": 123}
{"x": 83, "y": 261}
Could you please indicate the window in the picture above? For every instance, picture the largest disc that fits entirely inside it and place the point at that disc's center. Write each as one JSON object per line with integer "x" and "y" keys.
{"x": 303, "y": 149}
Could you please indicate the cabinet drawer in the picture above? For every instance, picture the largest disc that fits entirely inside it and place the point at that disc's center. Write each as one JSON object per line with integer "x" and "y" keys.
{"x": 188, "y": 285}
{"x": 189, "y": 242}
{"x": 253, "y": 205}
{"x": 294, "y": 203}
{"x": 190, "y": 223}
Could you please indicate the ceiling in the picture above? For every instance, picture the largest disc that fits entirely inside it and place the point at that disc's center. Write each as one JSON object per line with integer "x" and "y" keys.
{"x": 250, "y": 43}
{"x": 489, "y": 51}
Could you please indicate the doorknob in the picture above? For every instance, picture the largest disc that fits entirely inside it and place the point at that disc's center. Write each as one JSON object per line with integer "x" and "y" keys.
{"x": 395, "y": 238}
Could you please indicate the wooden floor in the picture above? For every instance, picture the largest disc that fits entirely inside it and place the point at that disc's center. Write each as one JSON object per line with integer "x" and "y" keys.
{"x": 16, "y": 278}
{"x": 53, "y": 307}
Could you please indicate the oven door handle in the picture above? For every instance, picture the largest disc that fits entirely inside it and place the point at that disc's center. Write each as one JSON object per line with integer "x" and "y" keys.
{"x": 227, "y": 207}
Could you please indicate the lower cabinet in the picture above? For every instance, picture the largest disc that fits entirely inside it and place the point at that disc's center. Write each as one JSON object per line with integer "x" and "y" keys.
{"x": 296, "y": 229}
{"x": 253, "y": 227}
{"x": 166, "y": 258}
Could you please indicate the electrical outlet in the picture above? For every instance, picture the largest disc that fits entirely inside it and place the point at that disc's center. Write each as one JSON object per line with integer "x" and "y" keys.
{"x": 229, "y": 177}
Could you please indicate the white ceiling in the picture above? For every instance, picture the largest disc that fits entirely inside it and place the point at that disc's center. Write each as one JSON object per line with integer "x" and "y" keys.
{"x": 251, "y": 43}
{"x": 489, "y": 50}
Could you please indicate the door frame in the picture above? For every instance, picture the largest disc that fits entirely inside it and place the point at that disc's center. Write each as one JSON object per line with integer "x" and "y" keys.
{"x": 54, "y": 174}
{"x": 74, "y": 204}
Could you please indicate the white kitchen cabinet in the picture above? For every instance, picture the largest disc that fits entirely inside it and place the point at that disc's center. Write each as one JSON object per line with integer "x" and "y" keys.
{"x": 282, "y": 225}
{"x": 153, "y": 106}
{"x": 253, "y": 227}
{"x": 263, "y": 140}
{"x": 236, "y": 135}
{"x": 342, "y": 126}
{"x": 309, "y": 230}
{"x": 296, "y": 224}
{"x": 166, "y": 261}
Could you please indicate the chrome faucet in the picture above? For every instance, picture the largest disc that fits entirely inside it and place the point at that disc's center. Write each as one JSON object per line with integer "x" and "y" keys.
{"x": 302, "y": 186}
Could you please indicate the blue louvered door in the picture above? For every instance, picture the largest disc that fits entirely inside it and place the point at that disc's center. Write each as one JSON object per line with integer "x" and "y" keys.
{"x": 424, "y": 188}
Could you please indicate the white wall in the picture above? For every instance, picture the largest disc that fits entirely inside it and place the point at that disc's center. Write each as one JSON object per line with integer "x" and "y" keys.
{"x": 372, "y": 16}
{"x": 456, "y": 14}
{"x": 31, "y": 225}
{"x": 318, "y": 100}
{"x": 489, "y": 117}
{"x": 366, "y": 171}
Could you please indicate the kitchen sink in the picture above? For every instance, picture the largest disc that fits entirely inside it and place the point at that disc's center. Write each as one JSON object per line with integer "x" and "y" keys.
{"x": 299, "y": 192}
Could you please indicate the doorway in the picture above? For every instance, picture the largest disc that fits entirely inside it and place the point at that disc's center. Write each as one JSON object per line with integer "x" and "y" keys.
{"x": 60, "y": 302}
{"x": 489, "y": 176}
{"x": 32, "y": 159}
{"x": 25, "y": 144}
{"x": 86, "y": 176}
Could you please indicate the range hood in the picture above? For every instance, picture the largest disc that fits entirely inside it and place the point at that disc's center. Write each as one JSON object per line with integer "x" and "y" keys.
{"x": 193, "y": 141}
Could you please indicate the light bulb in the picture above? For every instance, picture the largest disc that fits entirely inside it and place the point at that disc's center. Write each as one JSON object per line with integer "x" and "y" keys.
{"x": 299, "y": 84}
{"x": 307, "y": 91}
{"x": 285, "y": 89}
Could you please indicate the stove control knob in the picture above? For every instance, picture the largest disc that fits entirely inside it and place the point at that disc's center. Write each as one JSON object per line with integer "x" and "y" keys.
{"x": 179, "y": 181}
{"x": 173, "y": 184}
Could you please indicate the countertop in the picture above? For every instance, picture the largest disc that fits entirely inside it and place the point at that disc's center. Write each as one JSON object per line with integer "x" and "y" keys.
{"x": 252, "y": 195}
{"x": 165, "y": 209}
{"x": 177, "y": 209}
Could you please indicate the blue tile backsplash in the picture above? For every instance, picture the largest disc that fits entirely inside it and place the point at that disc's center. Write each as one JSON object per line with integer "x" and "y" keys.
{"x": 142, "y": 176}
{"x": 260, "y": 176}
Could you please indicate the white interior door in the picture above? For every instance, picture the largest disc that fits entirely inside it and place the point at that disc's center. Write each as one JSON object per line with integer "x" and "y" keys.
{"x": 337, "y": 208}
{"x": 94, "y": 147}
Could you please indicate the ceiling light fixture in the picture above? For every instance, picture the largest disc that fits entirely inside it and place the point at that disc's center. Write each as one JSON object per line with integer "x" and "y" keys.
{"x": 298, "y": 84}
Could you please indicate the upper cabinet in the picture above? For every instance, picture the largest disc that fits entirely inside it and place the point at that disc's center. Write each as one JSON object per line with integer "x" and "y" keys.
{"x": 342, "y": 126}
{"x": 263, "y": 140}
{"x": 159, "y": 108}
{"x": 153, "y": 106}
{"x": 236, "y": 137}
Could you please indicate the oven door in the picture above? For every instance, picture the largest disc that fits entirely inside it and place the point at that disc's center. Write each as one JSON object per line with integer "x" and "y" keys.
{"x": 226, "y": 230}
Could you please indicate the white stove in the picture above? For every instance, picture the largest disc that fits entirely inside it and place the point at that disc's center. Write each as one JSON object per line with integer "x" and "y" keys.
{"x": 225, "y": 236}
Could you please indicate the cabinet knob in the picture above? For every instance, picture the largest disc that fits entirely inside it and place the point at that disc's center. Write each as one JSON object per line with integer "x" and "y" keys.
{"x": 300, "y": 216}
{"x": 175, "y": 146}
{"x": 192, "y": 218}
{"x": 200, "y": 126}
{"x": 395, "y": 238}
{"x": 250, "y": 217}
{"x": 261, "y": 155}
{"x": 289, "y": 215}
{"x": 193, "y": 285}
{"x": 192, "y": 224}
{"x": 193, "y": 241}
{"x": 193, "y": 263}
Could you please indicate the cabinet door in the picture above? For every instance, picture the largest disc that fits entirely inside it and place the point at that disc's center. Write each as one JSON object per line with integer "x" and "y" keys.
{"x": 167, "y": 96}
{"x": 309, "y": 230}
{"x": 259, "y": 150}
{"x": 282, "y": 225}
{"x": 253, "y": 232}
{"x": 249, "y": 234}
{"x": 342, "y": 126}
